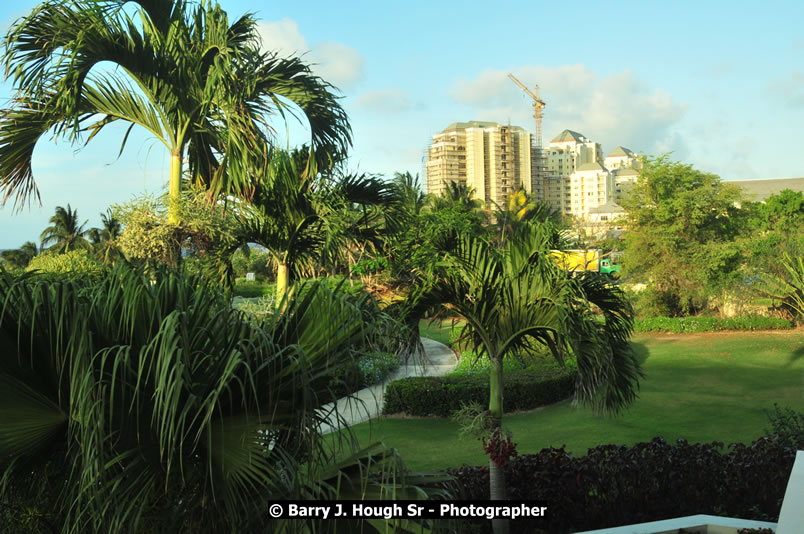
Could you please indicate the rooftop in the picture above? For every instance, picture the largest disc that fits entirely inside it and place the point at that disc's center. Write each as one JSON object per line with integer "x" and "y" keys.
{"x": 593, "y": 166}
{"x": 620, "y": 152}
{"x": 568, "y": 136}
{"x": 608, "y": 207}
{"x": 759, "y": 190}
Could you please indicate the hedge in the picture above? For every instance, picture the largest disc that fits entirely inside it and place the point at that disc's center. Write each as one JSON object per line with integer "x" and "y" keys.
{"x": 616, "y": 485}
{"x": 441, "y": 396}
{"x": 691, "y": 325}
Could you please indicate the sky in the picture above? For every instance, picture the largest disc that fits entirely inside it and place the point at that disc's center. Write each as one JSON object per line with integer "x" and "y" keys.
{"x": 718, "y": 84}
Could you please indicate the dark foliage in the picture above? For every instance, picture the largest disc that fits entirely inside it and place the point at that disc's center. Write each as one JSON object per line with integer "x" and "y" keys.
{"x": 617, "y": 485}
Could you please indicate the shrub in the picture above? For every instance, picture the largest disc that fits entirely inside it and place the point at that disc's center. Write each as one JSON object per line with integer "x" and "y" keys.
{"x": 73, "y": 264}
{"x": 787, "y": 426}
{"x": 469, "y": 365}
{"x": 375, "y": 367}
{"x": 689, "y": 325}
{"x": 441, "y": 396}
{"x": 617, "y": 485}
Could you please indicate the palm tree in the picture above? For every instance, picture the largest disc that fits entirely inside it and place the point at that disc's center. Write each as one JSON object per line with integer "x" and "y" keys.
{"x": 514, "y": 299}
{"x": 104, "y": 238}
{"x": 135, "y": 405}
{"x": 198, "y": 84}
{"x": 519, "y": 209}
{"x": 303, "y": 217}
{"x": 64, "y": 231}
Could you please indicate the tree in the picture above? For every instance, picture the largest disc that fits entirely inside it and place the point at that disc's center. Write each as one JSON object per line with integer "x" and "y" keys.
{"x": 20, "y": 257}
{"x": 105, "y": 238}
{"x": 516, "y": 298}
{"x": 682, "y": 226}
{"x": 151, "y": 405}
{"x": 302, "y": 216}
{"x": 198, "y": 84}
{"x": 64, "y": 231}
{"x": 519, "y": 209}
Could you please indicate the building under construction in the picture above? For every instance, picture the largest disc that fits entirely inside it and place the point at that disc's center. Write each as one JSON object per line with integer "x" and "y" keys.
{"x": 492, "y": 159}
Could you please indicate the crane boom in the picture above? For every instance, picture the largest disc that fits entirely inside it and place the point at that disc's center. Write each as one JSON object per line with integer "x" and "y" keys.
{"x": 534, "y": 96}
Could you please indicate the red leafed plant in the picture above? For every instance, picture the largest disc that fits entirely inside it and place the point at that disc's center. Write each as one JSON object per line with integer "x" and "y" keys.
{"x": 499, "y": 447}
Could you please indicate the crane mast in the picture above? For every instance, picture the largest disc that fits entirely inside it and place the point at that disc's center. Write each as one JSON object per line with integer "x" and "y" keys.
{"x": 540, "y": 166}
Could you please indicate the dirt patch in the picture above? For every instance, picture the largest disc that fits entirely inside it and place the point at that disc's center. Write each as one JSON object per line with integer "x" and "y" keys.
{"x": 793, "y": 332}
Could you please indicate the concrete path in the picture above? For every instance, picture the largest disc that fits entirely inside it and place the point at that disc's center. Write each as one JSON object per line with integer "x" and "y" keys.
{"x": 367, "y": 403}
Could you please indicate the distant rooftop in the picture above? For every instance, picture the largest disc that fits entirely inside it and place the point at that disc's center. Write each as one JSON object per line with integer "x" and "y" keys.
{"x": 568, "y": 136}
{"x": 759, "y": 190}
{"x": 593, "y": 166}
{"x": 621, "y": 151}
{"x": 477, "y": 124}
{"x": 609, "y": 207}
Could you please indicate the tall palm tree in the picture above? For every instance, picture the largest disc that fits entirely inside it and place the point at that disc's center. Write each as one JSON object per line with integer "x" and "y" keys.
{"x": 65, "y": 232}
{"x": 301, "y": 215}
{"x": 514, "y": 299}
{"x": 197, "y": 83}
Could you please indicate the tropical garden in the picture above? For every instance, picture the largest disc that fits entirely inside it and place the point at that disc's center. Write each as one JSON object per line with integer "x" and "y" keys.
{"x": 173, "y": 370}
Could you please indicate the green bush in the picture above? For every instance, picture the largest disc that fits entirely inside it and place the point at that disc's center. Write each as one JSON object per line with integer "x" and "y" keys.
{"x": 690, "y": 325}
{"x": 72, "y": 264}
{"x": 787, "y": 426}
{"x": 441, "y": 396}
{"x": 375, "y": 367}
{"x": 470, "y": 365}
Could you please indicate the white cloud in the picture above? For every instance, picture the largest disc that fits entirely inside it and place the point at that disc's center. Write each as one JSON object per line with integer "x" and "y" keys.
{"x": 613, "y": 109}
{"x": 337, "y": 63}
{"x": 384, "y": 101}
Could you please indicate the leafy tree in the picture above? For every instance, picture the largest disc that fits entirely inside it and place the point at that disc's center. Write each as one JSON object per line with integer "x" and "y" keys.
{"x": 73, "y": 264}
{"x": 420, "y": 229}
{"x": 207, "y": 232}
{"x": 20, "y": 257}
{"x": 65, "y": 232}
{"x": 682, "y": 226}
{"x": 516, "y": 298}
{"x": 197, "y": 83}
{"x": 142, "y": 404}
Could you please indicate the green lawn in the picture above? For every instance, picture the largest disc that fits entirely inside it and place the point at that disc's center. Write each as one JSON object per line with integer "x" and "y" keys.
{"x": 701, "y": 387}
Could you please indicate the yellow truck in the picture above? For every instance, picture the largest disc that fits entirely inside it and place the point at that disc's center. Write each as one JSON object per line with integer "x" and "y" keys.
{"x": 584, "y": 260}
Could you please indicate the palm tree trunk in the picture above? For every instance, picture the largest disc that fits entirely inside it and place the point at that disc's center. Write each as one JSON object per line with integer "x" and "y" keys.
{"x": 281, "y": 283}
{"x": 496, "y": 473}
{"x": 174, "y": 189}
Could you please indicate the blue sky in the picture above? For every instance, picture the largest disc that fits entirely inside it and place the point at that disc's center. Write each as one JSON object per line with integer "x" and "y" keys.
{"x": 720, "y": 84}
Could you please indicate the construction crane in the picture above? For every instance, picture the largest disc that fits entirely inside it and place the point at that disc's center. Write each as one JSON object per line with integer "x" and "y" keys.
{"x": 538, "y": 107}
{"x": 538, "y": 154}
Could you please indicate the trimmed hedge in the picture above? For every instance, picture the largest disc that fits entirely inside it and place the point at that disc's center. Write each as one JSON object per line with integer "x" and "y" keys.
{"x": 442, "y": 395}
{"x": 616, "y": 485}
{"x": 690, "y": 325}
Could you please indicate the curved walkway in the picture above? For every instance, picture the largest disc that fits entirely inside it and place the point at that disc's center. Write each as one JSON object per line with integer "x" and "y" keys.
{"x": 367, "y": 403}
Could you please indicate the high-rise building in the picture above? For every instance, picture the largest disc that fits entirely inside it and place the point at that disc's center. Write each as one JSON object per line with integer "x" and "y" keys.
{"x": 496, "y": 160}
{"x": 491, "y": 158}
{"x": 565, "y": 153}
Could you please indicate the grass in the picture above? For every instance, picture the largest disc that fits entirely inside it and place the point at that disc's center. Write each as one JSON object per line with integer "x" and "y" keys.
{"x": 700, "y": 387}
